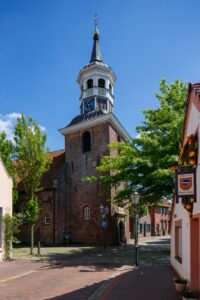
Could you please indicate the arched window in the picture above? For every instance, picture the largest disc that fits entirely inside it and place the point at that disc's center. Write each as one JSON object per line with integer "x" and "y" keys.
{"x": 86, "y": 213}
{"x": 101, "y": 83}
{"x": 110, "y": 87}
{"x": 89, "y": 83}
{"x": 86, "y": 141}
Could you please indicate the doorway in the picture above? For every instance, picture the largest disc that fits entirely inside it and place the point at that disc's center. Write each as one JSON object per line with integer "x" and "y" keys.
{"x": 121, "y": 232}
{"x": 195, "y": 254}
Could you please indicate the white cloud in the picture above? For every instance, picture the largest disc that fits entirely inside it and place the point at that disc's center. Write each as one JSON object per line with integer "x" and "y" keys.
{"x": 8, "y": 122}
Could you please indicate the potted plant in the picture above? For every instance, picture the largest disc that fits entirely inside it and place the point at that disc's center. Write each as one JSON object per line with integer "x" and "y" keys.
{"x": 189, "y": 295}
{"x": 180, "y": 284}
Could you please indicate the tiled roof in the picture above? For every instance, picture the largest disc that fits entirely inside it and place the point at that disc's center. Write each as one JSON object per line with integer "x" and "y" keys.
{"x": 85, "y": 117}
{"x": 58, "y": 162}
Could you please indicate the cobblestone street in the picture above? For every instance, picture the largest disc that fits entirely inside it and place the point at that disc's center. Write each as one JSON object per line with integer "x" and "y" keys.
{"x": 94, "y": 274}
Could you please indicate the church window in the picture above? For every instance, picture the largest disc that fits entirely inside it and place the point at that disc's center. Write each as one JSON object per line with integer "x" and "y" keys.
{"x": 86, "y": 141}
{"x": 86, "y": 213}
{"x": 89, "y": 83}
{"x": 98, "y": 160}
{"x": 101, "y": 83}
{"x": 118, "y": 138}
{"x": 47, "y": 220}
{"x": 110, "y": 87}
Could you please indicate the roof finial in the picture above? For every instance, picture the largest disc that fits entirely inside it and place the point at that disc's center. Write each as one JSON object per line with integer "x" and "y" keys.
{"x": 96, "y": 31}
{"x": 96, "y": 19}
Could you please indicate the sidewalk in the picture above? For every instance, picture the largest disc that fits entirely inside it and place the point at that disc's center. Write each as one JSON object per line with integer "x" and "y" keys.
{"x": 148, "y": 282}
{"x": 153, "y": 279}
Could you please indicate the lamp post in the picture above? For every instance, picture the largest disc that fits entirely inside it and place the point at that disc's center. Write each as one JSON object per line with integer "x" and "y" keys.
{"x": 104, "y": 223}
{"x": 135, "y": 198}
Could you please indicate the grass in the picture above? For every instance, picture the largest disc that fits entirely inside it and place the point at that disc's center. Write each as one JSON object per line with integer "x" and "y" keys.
{"x": 47, "y": 252}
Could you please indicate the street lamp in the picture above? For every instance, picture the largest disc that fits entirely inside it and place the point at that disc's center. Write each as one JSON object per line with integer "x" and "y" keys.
{"x": 104, "y": 223}
{"x": 135, "y": 198}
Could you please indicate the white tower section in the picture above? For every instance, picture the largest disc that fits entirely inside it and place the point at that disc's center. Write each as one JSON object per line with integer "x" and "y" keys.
{"x": 96, "y": 81}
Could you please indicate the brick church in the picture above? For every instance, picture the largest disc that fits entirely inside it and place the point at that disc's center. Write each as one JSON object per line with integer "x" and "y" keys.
{"x": 70, "y": 207}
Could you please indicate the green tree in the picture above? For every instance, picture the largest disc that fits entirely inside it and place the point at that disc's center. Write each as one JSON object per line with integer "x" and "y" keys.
{"x": 6, "y": 152}
{"x": 10, "y": 228}
{"x": 144, "y": 162}
{"x": 32, "y": 163}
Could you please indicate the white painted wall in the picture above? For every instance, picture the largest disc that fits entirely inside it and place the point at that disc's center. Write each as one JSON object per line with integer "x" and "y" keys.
{"x": 180, "y": 213}
{"x": 6, "y": 185}
{"x": 183, "y": 268}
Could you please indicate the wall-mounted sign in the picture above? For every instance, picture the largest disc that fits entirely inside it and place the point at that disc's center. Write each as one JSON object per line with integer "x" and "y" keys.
{"x": 185, "y": 184}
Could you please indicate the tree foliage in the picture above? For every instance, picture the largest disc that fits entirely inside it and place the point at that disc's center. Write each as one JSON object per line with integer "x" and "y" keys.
{"x": 32, "y": 163}
{"x": 6, "y": 152}
{"x": 10, "y": 229}
{"x": 143, "y": 163}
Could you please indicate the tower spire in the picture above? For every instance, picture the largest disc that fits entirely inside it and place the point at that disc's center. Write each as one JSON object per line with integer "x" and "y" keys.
{"x": 96, "y": 52}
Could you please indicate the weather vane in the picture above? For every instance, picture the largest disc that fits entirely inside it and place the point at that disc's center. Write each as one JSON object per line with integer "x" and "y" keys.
{"x": 96, "y": 19}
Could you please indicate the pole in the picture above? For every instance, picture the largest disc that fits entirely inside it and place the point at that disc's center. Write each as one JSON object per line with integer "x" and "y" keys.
{"x": 136, "y": 241}
{"x": 104, "y": 239}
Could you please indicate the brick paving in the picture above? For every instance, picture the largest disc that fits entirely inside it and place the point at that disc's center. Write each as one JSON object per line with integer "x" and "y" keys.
{"x": 94, "y": 275}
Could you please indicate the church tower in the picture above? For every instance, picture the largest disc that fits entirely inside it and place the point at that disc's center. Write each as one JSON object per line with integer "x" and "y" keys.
{"x": 96, "y": 81}
{"x": 86, "y": 139}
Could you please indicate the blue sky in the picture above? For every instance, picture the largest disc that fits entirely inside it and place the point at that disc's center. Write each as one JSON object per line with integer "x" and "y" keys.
{"x": 44, "y": 44}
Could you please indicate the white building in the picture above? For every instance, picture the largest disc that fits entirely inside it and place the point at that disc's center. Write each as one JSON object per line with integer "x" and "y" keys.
{"x": 6, "y": 186}
{"x": 185, "y": 230}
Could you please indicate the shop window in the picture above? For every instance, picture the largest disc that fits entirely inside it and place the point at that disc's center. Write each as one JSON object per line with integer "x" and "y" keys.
{"x": 101, "y": 83}
{"x": 86, "y": 213}
{"x": 86, "y": 141}
{"x": 178, "y": 241}
{"x": 90, "y": 83}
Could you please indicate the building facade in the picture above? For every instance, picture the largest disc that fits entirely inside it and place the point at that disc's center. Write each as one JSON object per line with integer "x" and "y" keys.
{"x": 69, "y": 206}
{"x": 6, "y": 186}
{"x": 86, "y": 139}
{"x": 185, "y": 229}
{"x": 155, "y": 222}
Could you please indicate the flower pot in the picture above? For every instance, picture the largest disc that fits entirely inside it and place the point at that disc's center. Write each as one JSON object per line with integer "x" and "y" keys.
{"x": 180, "y": 286}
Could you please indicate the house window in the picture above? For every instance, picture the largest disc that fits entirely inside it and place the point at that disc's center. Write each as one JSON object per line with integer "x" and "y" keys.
{"x": 47, "y": 220}
{"x": 140, "y": 228}
{"x": 24, "y": 220}
{"x": 1, "y": 226}
{"x": 89, "y": 83}
{"x": 148, "y": 227}
{"x": 86, "y": 213}
{"x": 86, "y": 141}
{"x": 101, "y": 83}
{"x": 178, "y": 241}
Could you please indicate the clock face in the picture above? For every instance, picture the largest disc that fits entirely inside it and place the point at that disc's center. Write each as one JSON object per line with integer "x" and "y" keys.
{"x": 89, "y": 105}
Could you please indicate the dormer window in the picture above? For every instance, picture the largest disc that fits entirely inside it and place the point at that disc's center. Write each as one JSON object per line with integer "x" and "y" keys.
{"x": 90, "y": 83}
{"x": 101, "y": 83}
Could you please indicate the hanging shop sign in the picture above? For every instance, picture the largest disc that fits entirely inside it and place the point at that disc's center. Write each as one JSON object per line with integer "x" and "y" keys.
{"x": 186, "y": 187}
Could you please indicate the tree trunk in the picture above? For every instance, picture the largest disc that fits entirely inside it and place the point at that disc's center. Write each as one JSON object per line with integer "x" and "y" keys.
{"x": 32, "y": 239}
